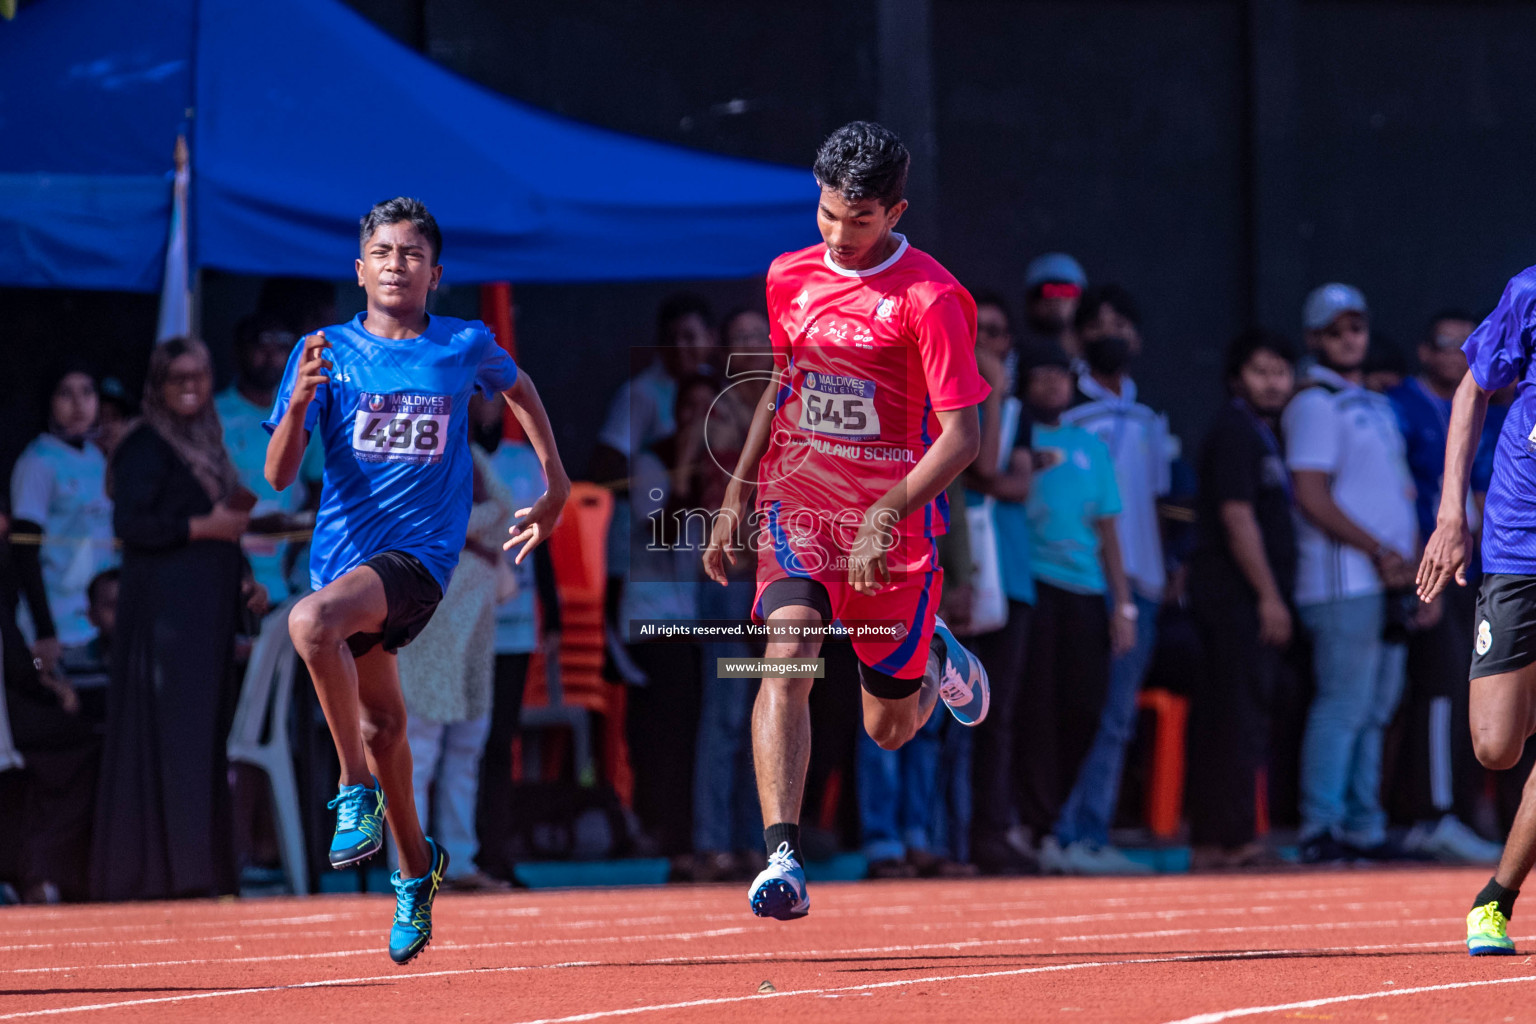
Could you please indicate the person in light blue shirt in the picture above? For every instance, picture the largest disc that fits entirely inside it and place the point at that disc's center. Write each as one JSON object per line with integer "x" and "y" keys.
{"x": 1075, "y": 554}
{"x": 263, "y": 342}
{"x": 388, "y": 394}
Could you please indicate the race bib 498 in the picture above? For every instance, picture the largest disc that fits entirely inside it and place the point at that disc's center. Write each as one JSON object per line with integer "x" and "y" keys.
{"x": 838, "y": 405}
{"x": 400, "y": 428}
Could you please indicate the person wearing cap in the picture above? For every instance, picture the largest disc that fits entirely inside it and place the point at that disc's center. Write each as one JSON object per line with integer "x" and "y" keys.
{"x": 1357, "y": 541}
{"x": 1075, "y": 557}
{"x": 1053, "y": 284}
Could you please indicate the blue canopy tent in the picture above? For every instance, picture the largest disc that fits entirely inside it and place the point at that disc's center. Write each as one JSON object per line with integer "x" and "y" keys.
{"x": 301, "y": 115}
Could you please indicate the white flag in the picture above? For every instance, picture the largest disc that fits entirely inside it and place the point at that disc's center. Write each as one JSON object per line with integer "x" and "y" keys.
{"x": 176, "y": 286}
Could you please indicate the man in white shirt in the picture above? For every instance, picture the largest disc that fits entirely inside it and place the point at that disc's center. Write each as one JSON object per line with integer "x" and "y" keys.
{"x": 1357, "y": 545}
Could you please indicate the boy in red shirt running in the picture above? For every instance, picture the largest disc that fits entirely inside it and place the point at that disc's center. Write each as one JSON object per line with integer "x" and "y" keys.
{"x": 873, "y": 412}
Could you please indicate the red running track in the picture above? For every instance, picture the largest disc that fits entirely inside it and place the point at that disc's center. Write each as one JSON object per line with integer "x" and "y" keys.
{"x": 1340, "y": 946}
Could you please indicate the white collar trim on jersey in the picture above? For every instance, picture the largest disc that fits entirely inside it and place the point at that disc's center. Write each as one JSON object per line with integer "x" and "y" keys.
{"x": 889, "y": 262}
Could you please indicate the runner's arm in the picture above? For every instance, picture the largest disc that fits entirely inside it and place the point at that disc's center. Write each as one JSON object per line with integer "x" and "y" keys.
{"x": 733, "y": 506}
{"x": 1449, "y": 547}
{"x": 528, "y": 407}
{"x": 285, "y": 449}
{"x": 752, "y": 451}
{"x": 535, "y": 522}
{"x": 955, "y": 449}
{"x": 1468, "y": 411}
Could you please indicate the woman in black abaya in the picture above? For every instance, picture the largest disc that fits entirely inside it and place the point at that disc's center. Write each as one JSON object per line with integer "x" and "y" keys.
{"x": 163, "y": 822}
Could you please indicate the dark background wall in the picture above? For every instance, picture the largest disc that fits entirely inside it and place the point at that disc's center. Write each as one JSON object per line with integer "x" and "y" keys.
{"x": 1217, "y": 157}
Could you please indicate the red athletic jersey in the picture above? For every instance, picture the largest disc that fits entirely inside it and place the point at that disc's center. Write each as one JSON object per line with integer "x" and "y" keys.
{"x": 864, "y": 360}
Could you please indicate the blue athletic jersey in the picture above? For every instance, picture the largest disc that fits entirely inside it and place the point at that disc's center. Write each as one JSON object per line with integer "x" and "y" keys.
{"x": 1499, "y": 353}
{"x": 394, "y": 424}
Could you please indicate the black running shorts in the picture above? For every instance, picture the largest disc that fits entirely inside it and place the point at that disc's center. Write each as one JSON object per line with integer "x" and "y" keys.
{"x": 808, "y": 593}
{"x": 1506, "y": 625}
{"x": 411, "y": 595}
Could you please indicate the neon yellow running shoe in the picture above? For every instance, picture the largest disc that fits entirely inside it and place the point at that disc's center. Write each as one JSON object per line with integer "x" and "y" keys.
{"x": 1486, "y": 934}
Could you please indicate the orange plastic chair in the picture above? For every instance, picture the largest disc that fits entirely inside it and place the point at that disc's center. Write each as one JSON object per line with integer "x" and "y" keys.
{"x": 1165, "y": 783}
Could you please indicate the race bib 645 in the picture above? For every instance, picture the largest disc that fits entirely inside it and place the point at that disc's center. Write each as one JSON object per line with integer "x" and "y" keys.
{"x": 842, "y": 406}
{"x": 400, "y": 428}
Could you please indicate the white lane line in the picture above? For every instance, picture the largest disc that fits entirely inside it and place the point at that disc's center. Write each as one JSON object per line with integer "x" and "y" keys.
{"x": 182, "y": 939}
{"x": 994, "y": 943}
{"x": 56, "y": 1011}
{"x": 374, "y": 951}
{"x": 161, "y": 919}
{"x": 973, "y": 899}
{"x": 686, "y": 936}
{"x": 872, "y": 986}
{"x": 1168, "y": 933}
{"x": 1052, "y": 968}
{"x": 329, "y": 983}
{"x": 1307, "y": 1004}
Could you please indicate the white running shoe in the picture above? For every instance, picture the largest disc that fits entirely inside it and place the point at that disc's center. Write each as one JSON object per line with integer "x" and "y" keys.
{"x": 1086, "y": 858}
{"x": 779, "y": 891}
{"x": 1450, "y": 841}
{"x": 1053, "y": 859}
{"x": 963, "y": 684}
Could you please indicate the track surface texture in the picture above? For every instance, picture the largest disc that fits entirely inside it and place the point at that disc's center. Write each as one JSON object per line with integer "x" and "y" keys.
{"x": 1344, "y": 946}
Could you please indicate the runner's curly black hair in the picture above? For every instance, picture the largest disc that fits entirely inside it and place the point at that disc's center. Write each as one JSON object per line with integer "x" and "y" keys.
{"x": 403, "y": 208}
{"x": 864, "y": 160}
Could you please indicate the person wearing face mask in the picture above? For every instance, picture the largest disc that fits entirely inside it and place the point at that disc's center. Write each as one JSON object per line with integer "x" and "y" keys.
{"x": 163, "y": 815}
{"x": 1074, "y": 636}
{"x": 62, "y": 519}
{"x": 262, "y": 344}
{"x": 1108, "y": 327}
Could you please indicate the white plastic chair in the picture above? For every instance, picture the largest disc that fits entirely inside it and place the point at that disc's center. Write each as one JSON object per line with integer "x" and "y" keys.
{"x": 259, "y": 735}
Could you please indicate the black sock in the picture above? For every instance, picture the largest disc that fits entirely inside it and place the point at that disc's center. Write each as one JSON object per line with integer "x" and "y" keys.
{"x": 783, "y": 832}
{"x": 1493, "y": 892}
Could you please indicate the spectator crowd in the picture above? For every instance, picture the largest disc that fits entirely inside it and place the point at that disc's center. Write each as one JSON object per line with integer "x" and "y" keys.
{"x": 1264, "y": 575}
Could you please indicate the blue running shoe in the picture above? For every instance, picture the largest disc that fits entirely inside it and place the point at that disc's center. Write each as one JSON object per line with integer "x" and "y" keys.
{"x": 412, "y": 930}
{"x": 359, "y": 824}
{"x": 963, "y": 682}
{"x": 779, "y": 891}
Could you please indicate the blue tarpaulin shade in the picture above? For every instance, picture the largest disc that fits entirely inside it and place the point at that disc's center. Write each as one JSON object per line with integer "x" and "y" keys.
{"x": 301, "y": 115}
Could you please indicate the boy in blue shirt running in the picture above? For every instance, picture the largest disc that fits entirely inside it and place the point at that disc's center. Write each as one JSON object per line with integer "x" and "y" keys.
{"x": 389, "y": 394}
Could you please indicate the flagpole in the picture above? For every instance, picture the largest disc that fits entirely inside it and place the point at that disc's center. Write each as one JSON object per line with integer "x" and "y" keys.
{"x": 176, "y": 286}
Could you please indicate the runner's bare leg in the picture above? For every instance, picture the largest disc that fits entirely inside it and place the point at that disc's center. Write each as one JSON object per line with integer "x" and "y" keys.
{"x": 781, "y": 724}
{"x": 319, "y": 626}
